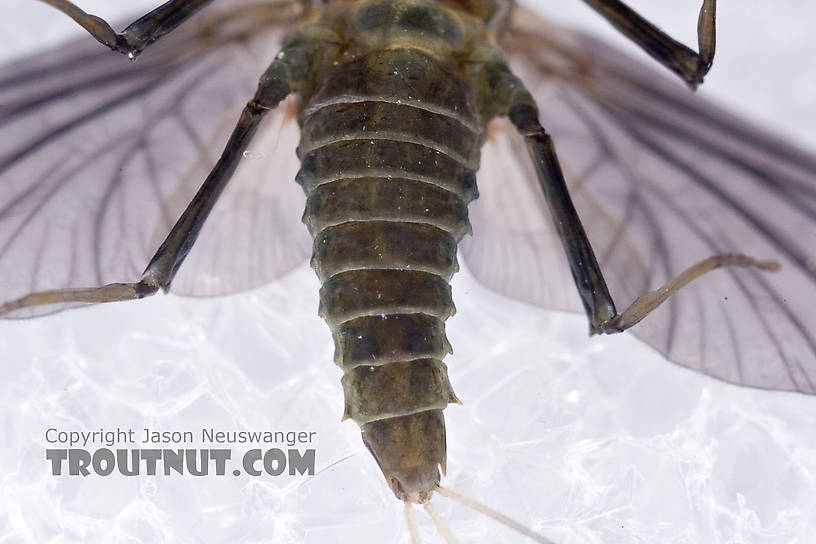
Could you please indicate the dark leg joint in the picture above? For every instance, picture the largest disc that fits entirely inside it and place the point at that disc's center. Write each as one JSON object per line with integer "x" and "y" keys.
{"x": 143, "y": 289}
{"x": 139, "y": 34}
{"x": 525, "y": 119}
{"x": 691, "y": 66}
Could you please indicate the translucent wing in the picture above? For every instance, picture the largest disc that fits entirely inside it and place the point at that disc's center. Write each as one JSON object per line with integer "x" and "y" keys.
{"x": 661, "y": 180}
{"x": 99, "y": 156}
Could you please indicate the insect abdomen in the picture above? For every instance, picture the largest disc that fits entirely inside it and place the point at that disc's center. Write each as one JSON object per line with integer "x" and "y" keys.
{"x": 388, "y": 172}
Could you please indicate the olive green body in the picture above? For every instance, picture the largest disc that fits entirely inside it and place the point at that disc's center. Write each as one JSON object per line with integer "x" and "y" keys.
{"x": 393, "y": 112}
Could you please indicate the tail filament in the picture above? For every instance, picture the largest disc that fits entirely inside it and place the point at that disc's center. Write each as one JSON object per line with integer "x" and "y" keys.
{"x": 493, "y": 514}
{"x": 440, "y": 525}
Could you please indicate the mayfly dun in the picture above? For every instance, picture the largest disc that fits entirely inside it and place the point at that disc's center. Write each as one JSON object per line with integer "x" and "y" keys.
{"x": 187, "y": 381}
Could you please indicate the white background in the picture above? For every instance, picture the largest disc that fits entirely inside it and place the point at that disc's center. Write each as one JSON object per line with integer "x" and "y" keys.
{"x": 590, "y": 441}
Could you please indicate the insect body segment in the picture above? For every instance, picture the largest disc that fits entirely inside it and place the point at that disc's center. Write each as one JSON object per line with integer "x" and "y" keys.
{"x": 389, "y": 146}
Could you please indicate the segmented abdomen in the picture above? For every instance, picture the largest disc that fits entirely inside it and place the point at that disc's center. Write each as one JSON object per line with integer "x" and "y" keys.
{"x": 389, "y": 149}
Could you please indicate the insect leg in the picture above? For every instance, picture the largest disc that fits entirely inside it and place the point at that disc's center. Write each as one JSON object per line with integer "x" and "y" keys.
{"x": 138, "y": 34}
{"x": 273, "y": 87}
{"x": 675, "y": 56}
{"x": 586, "y": 272}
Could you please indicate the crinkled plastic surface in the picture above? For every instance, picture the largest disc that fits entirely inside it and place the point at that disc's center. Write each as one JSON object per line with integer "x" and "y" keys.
{"x": 587, "y": 440}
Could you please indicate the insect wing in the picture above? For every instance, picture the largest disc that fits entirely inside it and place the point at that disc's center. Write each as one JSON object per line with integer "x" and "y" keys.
{"x": 661, "y": 180}
{"x": 99, "y": 156}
